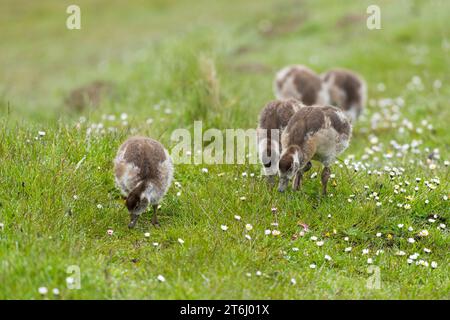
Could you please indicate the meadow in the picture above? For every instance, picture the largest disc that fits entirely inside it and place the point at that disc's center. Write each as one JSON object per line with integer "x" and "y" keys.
{"x": 381, "y": 233}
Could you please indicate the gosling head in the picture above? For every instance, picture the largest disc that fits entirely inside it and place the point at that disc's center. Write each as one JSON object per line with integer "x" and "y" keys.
{"x": 290, "y": 163}
{"x": 136, "y": 204}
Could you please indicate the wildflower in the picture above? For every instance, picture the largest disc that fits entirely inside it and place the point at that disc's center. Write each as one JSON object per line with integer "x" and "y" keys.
{"x": 238, "y": 218}
{"x": 224, "y": 227}
{"x": 426, "y": 250}
{"x": 205, "y": 170}
{"x": 348, "y": 249}
{"x": 41, "y": 133}
{"x": 365, "y": 251}
{"x": 243, "y": 198}
{"x": 313, "y": 238}
{"x": 409, "y": 261}
{"x": 423, "y": 233}
{"x": 434, "y": 264}
{"x": 178, "y": 193}
{"x": 379, "y": 234}
{"x": 369, "y": 261}
{"x": 267, "y": 232}
{"x": 276, "y": 232}
{"x": 293, "y": 282}
{"x": 400, "y": 225}
{"x": 312, "y": 266}
{"x": 110, "y": 232}
{"x": 181, "y": 241}
{"x": 70, "y": 280}
{"x": 99, "y": 206}
{"x": 389, "y": 236}
{"x": 248, "y": 226}
{"x": 274, "y": 210}
{"x": 248, "y": 237}
{"x": 411, "y": 240}
{"x": 155, "y": 244}
{"x": 258, "y": 273}
{"x": 43, "y": 290}
{"x": 55, "y": 291}
{"x": 346, "y": 239}
{"x": 410, "y": 229}
{"x": 400, "y": 253}
{"x": 2, "y": 226}
{"x": 327, "y": 257}
{"x": 161, "y": 278}
{"x": 319, "y": 243}
{"x": 147, "y": 234}
{"x": 295, "y": 249}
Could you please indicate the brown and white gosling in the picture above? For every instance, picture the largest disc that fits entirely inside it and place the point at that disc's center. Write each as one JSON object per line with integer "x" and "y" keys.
{"x": 301, "y": 83}
{"x": 314, "y": 133}
{"x": 347, "y": 90}
{"x": 273, "y": 118}
{"x": 143, "y": 173}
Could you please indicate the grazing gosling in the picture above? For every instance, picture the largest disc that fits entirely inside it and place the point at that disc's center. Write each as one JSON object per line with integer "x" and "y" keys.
{"x": 314, "y": 133}
{"x": 143, "y": 173}
{"x": 301, "y": 83}
{"x": 274, "y": 116}
{"x": 347, "y": 90}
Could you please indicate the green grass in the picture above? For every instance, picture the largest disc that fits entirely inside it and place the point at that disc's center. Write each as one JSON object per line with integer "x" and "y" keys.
{"x": 166, "y": 52}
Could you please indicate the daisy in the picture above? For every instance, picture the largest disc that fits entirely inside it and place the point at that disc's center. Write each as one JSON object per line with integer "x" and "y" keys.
{"x": 248, "y": 237}
{"x": 348, "y": 249}
{"x": 161, "y": 278}
{"x": 224, "y": 227}
{"x": 181, "y": 241}
{"x": 293, "y": 282}
{"x": 248, "y": 226}
{"x": 43, "y": 290}
{"x": 369, "y": 261}
{"x": 55, "y": 291}
{"x": 319, "y": 243}
{"x": 110, "y": 232}
{"x": 365, "y": 251}
{"x": 411, "y": 240}
{"x": 276, "y": 232}
{"x": 147, "y": 234}
{"x": 267, "y": 232}
{"x": 238, "y": 218}
{"x": 423, "y": 233}
{"x": 327, "y": 257}
{"x": 312, "y": 266}
{"x": 434, "y": 264}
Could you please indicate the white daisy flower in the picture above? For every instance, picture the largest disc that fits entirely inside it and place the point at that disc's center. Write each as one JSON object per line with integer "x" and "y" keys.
{"x": 293, "y": 282}
{"x": 319, "y": 243}
{"x": 411, "y": 240}
{"x": 348, "y": 249}
{"x": 147, "y": 234}
{"x": 43, "y": 290}
{"x": 238, "y": 218}
{"x": 276, "y": 232}
{"x": 181, "y": 241}
{"x": 434, "y": 264}
{"x": 365, "y": 251}
{"x": 248, "y": 237}
{"x": 55, "y": 291}
{"x": 161, "y": 278}
{"x": 312, "y": 266}
{"x": 327, "y": 257}
{"x": 424, "y": 233}
{"x": 248, "y": 227}
{"x": 224, "y": 227}
{"x": 369, "y": 261}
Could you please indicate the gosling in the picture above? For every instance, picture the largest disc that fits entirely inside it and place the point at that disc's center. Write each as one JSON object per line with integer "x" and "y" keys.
{"x": 301, "y": 83}
{"x": 346, "y": 90}
{"x": 143, "y": 173}
{"x": 314, "y": 133}
{"x": 273, "y": 118}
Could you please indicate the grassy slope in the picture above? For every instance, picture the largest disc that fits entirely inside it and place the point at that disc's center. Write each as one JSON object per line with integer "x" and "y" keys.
{"x": 158, "y": 54}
